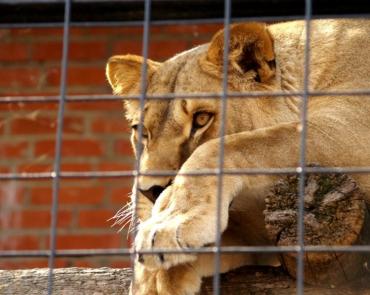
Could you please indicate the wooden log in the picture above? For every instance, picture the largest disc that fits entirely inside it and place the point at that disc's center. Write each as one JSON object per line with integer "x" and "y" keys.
{"x": 257, "y": 280}
{"x": 335, "y": 214}
{"x": 67, "y": 281}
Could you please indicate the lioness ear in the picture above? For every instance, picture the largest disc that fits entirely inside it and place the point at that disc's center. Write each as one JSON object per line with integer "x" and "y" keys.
{"x": 124, "y": 73}
{"x": 250, "y": 48}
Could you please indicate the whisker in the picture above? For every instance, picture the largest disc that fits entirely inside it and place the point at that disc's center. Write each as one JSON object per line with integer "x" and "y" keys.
{"x": 122, "y": 218}
{"x": 123, "y": 215}
{"x": 125, "y": 224}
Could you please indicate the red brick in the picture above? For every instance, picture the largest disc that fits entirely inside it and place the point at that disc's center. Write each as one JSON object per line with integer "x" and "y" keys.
{"x": 4, "y": 169}
{"x": 13, "y": 52}
{"x": 28, "y": 106}
{"x": 11, "y": 242}
{"x": 19, "y": 77}
{"x": 56, "y": 33}
{"x": 11, "y": 195}
{"x": 45, "y": 125}
{"x": 121, "y": 264}
{"x": 27, "y": 263}
{"x": 2, "y": 125}
{"x": 70, "y": 147}
{"x": 34, "y": 219}
{"x": 75, "y": 167}
{"x": 95, "y": 106}
{"x": 69, "y": 195}
{"x": 53, "y": 76}
{"x": 114, "y": 167}
{"x": 166, "y": 48}
{"x": 79, "y": 76}
{"x": 4, "y": 33}
{"x": 197, "y": 42}
{"x": 61, "y": 263}
{"x": 129, "y": 241}
{"x": 13, "y": 149}
{"x": 47, "y": 51}
{"x": 87, "y": 76}
{"x": 35, "y": 263}
{"x": 106, "y": 125}
{"x": 121, "y": 195}
{"x": 210, "y": 29}
{"x": 10, "y": 106}
{"x": 80, "y": 31}
{"x": 32, "y": 168}
{"x": 120, "y": 31}
{"x": 77, "y": 51}
{"x": 88, "y": 241}
{"x": 192, "y": 29}
{"x": 123, "y": 147}
{"x": 125, "y": 47}
{"x": 42, "y": 196}
{"x": 36, "y": 32}
{"x": 81, "y": 263}
{"x": 95, "y": 218}
{"x": 33, "y": 126}
{"x": 87, "y": 51}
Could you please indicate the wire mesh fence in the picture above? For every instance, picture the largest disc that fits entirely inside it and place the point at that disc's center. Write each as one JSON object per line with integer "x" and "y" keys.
{"x": 57, "y": 174}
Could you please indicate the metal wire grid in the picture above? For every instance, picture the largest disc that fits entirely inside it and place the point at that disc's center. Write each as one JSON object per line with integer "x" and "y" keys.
{"x": 146, "y": 32}
{"x": 175, "y": 22}
{"x": 56, "y": 175}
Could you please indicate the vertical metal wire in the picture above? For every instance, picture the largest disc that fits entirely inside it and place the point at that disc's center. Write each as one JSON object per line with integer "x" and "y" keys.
{"x": 227, "y": 16}
{"x": 58, "y": 144}
{"x": 303, "y": 148}
{"x": 143, "y": 86}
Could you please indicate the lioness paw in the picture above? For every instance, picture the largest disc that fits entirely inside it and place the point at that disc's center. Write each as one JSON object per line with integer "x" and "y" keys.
{"x": 177, "y": 225}
{"x": 162, "y": 235}
{"x": 179, "y": 280}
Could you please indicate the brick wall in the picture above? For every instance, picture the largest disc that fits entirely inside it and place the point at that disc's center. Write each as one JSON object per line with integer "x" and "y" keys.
{"x": 95, "y": 137}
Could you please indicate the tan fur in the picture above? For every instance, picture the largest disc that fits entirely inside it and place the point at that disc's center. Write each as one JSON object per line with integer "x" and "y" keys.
{"x": 253, "y": 36}
{"x": 260, "y": 133}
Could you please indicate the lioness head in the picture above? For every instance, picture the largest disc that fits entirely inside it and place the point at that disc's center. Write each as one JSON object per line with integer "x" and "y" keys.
{"x": 174, "y": 128}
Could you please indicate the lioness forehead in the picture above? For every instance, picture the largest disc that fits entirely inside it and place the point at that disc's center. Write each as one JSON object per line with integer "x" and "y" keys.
{"x": 182, "y": 74}
{"x": 178, "y": 75}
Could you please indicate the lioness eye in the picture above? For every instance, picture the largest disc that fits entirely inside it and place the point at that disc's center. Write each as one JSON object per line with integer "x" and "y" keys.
{"x": 200, "y": 119}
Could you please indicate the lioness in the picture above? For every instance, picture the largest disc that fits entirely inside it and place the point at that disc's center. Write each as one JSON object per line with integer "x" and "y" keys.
{"x": 183, "y": 135}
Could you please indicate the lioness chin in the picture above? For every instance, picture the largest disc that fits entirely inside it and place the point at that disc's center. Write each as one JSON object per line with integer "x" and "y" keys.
{"x": 182, "y": 135}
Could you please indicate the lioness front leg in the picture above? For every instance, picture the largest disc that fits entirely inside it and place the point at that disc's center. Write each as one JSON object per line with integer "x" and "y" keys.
{"x": 185, "y": 279}
{"x": 184, "y": 216}
{"x": 178, "y": 280}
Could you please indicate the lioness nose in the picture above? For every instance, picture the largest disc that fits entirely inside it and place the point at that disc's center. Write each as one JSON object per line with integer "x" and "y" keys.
{"x": 153, "y": 193}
